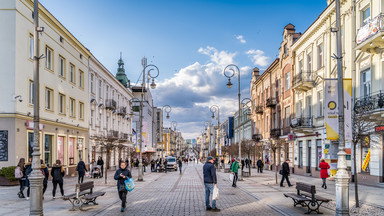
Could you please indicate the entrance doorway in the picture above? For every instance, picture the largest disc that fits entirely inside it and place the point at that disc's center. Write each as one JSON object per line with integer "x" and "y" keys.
{"x": 309, "y": 152}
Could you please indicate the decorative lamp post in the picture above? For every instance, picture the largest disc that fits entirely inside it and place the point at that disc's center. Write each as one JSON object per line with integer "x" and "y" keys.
{"x": 232, "y": 70}
{"x": 174, "y": 125}
{"x": 214, "y": 109}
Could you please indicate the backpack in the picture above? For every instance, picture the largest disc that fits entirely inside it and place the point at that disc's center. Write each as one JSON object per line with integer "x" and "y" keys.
{"x": 18, "y": 173}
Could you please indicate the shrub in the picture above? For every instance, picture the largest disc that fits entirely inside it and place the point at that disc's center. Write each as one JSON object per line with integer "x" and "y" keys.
{"x": 8, "y": 172}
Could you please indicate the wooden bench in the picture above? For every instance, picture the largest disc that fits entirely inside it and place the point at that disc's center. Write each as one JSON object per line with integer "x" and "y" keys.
{"x": 245, "y": 174}
{"x": 83, "y": 195}
{"x": 306, "y": 197}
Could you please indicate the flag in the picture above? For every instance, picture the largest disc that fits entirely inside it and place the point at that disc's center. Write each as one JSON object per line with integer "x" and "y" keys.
{"x": 133, "y": 132}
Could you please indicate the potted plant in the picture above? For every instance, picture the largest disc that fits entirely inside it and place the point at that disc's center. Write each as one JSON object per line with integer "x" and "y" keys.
{"x": 7, "y": 176}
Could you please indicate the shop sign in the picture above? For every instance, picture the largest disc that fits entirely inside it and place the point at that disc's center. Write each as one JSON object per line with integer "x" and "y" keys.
{"x": 366, "y": 141}
{"x": 30, "y": 125}
{"x": 379, "y": 128}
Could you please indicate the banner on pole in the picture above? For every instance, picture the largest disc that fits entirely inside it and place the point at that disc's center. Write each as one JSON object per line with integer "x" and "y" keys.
{"x": 366, "y": 160}
{"x": 347, "y": 84}
{"x": 331, "y": 109}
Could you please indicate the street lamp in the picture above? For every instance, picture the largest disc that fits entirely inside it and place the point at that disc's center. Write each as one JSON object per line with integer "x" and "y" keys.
{"x": 167, "y": 109}
{"x": 146, "y": 69}
{"x": 174, "y": 125}
{"x": 214, "y": 109}
{"x": 232, "y": 70}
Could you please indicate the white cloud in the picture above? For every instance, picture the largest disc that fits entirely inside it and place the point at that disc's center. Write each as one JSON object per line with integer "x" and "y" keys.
{"x": 258, "y": 57}
{"x": 241, "y": 39}
{"x": 218, "y": 57}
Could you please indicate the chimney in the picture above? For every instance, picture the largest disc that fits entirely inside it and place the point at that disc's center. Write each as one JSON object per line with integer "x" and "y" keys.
{"x": 255, "y": 72}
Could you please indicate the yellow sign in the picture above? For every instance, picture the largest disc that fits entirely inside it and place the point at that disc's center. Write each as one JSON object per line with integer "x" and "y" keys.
{"x": 366, "y": 161}
{"x": 137, "y": 149}
{"x": 326, "y": 151}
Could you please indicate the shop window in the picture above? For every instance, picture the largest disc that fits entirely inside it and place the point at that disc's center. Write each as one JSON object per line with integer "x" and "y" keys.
{"x": 80, "y": 148}
{"x": 71, "y": 152}
{"x": 30, "y": 144}
{"x": 60, "y": 149}
{"x": 300, "y": 154}
{"x": 48, "y": 150}
{"x": 319, "y": 154}
{"x": 364, "y": 151}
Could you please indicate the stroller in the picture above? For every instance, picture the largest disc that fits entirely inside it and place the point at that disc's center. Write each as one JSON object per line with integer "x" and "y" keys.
{"x": 96, "y": 171}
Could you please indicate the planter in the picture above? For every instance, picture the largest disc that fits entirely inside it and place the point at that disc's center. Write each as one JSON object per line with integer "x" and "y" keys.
{"x": 6, "y": 182}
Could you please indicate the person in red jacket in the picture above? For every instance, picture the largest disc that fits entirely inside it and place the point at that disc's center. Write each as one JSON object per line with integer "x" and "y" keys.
{"x": 324, "y": 166}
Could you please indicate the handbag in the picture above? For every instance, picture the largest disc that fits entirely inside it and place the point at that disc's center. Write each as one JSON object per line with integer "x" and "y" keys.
{"x": 281, "y": 172}
{"x": 215, "y": 194}
{"x": 329, "y": 172}
{"x": 129, "y": 184}
{"x": 87, "y": 174}
{"x": 230, "y": 177}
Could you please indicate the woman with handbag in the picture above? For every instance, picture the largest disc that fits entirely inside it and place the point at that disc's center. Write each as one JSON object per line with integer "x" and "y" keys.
{"x": 324, "y": 166}
{"x": 121, "y": 175}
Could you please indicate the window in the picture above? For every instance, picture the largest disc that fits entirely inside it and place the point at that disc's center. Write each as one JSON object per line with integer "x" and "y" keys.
{"x": 308, "y": 107}
{"x": 285, "y": 50}
{"x": 287, "y": 81}
{"x": 364, "y": 151}
{"x": 72, "y": 73}
{"x": 72, "y": 107}
{"x": 301, "y": 66}
{"x": 279, "y": 87}
{"x": 300, "y": 154}
{"x": 61, "y": 66}
{"x": 48, "y": 58}
{"x": 61, "y": 103}
{"x": 92, "y": 114}
{"x": 320, "y": 56}
{"x": 365, "y": 15}
{"x": 366, "y": 82}
{"x": 100, "y": 88}
{"x": 80, "y": 142}
{"x": 48, "y": 150}
{"x": 30, "y": 97}
{"x": 106, "y": 92}
{"x": 319, "y": 154}
{"x": 309, "y": 62}
{"x": 48, "y": 99}
{"x": 30, "y": 144}
{"x": 81, "y": 79}
{"x": 31, "y": 46}
{"x": 92, "y": 82}
{"x": 71, "y": 146}
{"x": 320, "y": 104}
{"x": 81, "y": 110}
{"x": 60, "y": 149}
{"x": 287, "y": 115}
{"x": 299, "y": 109}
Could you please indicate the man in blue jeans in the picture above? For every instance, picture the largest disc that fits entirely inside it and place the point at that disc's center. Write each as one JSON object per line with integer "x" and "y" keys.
{"x": 210, "y": 181}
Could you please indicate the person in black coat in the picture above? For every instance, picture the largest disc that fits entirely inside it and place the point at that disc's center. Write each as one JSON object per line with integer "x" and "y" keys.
{"x": 44, "y": 170}
{"x": 81, "y": 169}
{"x": 242, "y": 164}
{"x": 210, "y": 181}
{"x": 100, "y": 162}
{"x": 165, "y": 165}
{"x": 180, "y": 162}
{"x": 57, "y": 174}
{"x": 121, "y": 175}
{"x": 285, "y": 173}
{"x": 260, "y": 166}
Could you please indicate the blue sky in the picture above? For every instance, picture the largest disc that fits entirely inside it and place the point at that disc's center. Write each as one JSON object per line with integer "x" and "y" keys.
{"x": 190, "y": 41}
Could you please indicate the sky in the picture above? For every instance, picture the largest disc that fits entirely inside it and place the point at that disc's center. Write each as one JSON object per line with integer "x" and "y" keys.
{"x": 190, "y": 41}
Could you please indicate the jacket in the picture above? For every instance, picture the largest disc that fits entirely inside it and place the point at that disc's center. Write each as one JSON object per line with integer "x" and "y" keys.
{"x": 260, "y": 163}
{"x": 100, "y": 162}
{"x": 120, "y": 180}
{"x": 235, "y": 167}
{"x": 44, "y": 170}
{"x": 209, "y": 172}
{"x": 180, "y": 163}
{"x": 57, "y": 173}
{"x": 285, "y": 167}
{"x": 81, "y": 168}
{"x": 324, "y": 166}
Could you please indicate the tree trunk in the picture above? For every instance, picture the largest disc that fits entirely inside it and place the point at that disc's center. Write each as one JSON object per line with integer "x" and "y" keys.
{"x": 108, "y": 156}
{"x": 355, "y": 176}
{"x": 249, "y": 164}
{"x": 274, "y": 162}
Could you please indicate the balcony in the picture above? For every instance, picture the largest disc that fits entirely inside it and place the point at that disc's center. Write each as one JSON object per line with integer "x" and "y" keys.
{"x": 372, "y": 105}
{"x": 122, "y": 111}
{"x": 369, "y": 37}
{"x": 113, "y": 134}
{"x": 259, "y": 109}
{"x": 275, "y": 133}
{"x": 302, "y": 124}
{"x": 304, "y": 81}
{"x": 256, "y": 137}
{"x": 110, "y": 104}
{"x": 271, "y": 102}
{"x": 124, "y": 136}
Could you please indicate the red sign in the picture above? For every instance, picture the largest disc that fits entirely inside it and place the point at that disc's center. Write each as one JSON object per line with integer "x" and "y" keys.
{"x": 379, "y": 128}
{"x": 30, "y": 125}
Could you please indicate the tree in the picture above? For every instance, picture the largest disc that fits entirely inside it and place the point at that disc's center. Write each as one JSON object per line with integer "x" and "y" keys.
{"x": 248, "y": 147}
{"x": 276, "y": 144}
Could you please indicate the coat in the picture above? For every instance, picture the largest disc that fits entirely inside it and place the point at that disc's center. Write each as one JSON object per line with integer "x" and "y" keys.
{"x": 324, "y": 166}
{"x": 209, "y": 172}
{"x": 260, "y": 163}
{"x": 285, "y": 167}
{"x": 44, "y": 170}
{"x": 81, "y": 168}
{"x": 235, "y": 167}
{"x": 57, "y": 173}
{"x": 100, "y": 162}
{"x": 120, "y": 180}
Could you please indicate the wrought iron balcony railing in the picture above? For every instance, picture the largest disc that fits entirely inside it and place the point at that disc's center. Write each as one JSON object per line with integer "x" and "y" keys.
{"x": 114, "y": 134}
{"x": 259, "y": 109}
{"x": 122, "y": 111}
{"x": 303, "y": 77}
{"x": 302, "y": 122}
{"x": 370, "y": 103}
{"x": 110, "y": 104}
{"x": 271, "y": 102}
{"x": 275, "y": 133}
{"x": 256, "y": 137}
{"x": 370, "y": 29}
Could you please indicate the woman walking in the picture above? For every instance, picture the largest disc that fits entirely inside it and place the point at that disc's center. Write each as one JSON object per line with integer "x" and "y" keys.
{"x": 324, "y": 166}
{"x": 57, "y": 174}
{"x": 121, "y": 175}
{"x": 20, "y": 175}
{"x": 81, "y": 169}
{"x": 235, "y": 169}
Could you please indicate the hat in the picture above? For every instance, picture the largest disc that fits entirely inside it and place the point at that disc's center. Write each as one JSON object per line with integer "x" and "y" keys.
{"x": 209, "y": 158}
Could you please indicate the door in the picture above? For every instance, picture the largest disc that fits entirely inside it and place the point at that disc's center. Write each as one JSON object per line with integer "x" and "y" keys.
{"x": 309, "y": 152}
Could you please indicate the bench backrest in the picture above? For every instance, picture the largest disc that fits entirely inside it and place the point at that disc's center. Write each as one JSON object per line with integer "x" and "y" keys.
{"x": 301, "y": 186}
{"x": 84, "y": 186}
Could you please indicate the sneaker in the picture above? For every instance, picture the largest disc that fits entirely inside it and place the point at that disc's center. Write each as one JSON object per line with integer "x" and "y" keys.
{"x": 290, "y": 185}
{"x": 208, "y": 208}
{"x": 27, "y": 198}
{"x": 54, "y": 197}
{"x": 122, "y": 209}
{"x": 281, "y": 185}
{"x": 215, "y": 210}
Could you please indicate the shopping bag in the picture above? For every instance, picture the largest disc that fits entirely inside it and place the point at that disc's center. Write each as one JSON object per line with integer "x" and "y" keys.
{"x": 215, "y": 195}
{"x": 329, "y": 172}
{"x": 129, "y": 184}
{"x": 230, "y": 177}
{"x": 86, "y": 174}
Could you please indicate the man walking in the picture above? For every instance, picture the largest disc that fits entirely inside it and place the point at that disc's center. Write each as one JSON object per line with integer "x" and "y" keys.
{"x": 235, "y": 169}
{"x": 180, "y": 162}
{"x": 285, "y": 173}
{"x": 260, "y": 166}
{"x": 210, "y": 181}
{"x": 100, "y": 163}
